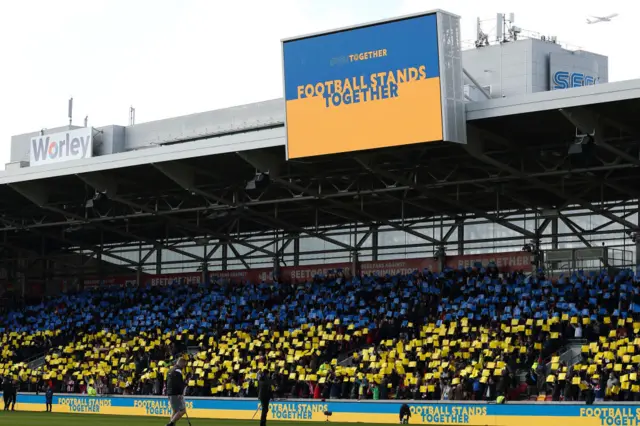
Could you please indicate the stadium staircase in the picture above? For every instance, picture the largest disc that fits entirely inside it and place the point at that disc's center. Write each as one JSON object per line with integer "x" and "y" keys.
{"x": 345, "y": 359}
{"x": 348, "y": 361}
{"x": 36, "y": 362}
{"x": 571, "y": 353}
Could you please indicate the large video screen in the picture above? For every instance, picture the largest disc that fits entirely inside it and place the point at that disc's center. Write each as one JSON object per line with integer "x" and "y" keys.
{"x": 369, "y": 87}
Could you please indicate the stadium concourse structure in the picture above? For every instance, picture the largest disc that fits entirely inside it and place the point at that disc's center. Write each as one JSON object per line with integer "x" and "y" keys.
{"x": 213, "y": 192}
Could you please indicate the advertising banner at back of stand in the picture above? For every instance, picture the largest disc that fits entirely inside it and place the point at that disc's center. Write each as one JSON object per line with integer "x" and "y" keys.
{"x": 505, "y": 262}
{"x": 75, "y": 144}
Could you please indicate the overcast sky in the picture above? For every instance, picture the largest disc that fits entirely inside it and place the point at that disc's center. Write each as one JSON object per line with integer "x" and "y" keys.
{"x": 175, "y": 57}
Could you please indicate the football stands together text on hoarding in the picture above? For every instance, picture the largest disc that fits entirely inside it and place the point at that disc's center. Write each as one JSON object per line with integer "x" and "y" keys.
{"x": 506, "y": 263}
{"x": 446, "y": 413}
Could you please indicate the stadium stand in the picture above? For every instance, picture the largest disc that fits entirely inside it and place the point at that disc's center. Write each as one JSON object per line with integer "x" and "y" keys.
{"x": 459, "y": 164}
{"x": 463, "y": 334}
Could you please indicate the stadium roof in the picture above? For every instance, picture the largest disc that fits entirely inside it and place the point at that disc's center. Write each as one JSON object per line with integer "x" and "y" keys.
{"x": 516, "y": 158}
{"x": 608, "y": 93}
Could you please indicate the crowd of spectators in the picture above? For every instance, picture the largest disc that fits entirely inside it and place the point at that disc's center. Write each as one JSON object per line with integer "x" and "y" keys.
{"x": 467, "y": 334}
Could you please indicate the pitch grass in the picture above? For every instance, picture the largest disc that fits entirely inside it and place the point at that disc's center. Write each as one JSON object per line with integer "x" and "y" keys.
{"x": 17, "y": 418}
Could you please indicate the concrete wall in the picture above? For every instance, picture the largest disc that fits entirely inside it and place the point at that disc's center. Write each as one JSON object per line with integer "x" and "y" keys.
{"x": 507, "y": 68}
{"x": 521, "y": 67}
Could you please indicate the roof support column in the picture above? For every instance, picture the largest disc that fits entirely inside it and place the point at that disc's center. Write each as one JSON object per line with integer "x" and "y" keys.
{"x": 374, "y": 244}
{"x": 296, "y": 250}
{"x": 159, "y": 261}
{"x": 224, "y": 256}
{"x": 554, "y": 239}
{"x": 276, "y": 267}
{"x": 205, "y": 265}
{"x": 276, "y": 250}
{"x": 355, "y": 265}
{"x": 100, "y": 268}
{"x": 461, "y": 238}
{"x": 139, "y": 268}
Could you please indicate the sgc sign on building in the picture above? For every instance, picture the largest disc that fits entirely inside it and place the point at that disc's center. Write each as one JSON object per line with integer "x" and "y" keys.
{"x": 59, "y": 147}
{"x": 569, "y": 70}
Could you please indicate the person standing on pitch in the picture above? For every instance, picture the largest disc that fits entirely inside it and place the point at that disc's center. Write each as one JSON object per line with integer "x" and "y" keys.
{"x": 175, "y": 391}
{"x": 7, "y": 388}
{"x": 13, "y": 394}
{"x": 265, "y": 392}
{"x": 49, "y": 399}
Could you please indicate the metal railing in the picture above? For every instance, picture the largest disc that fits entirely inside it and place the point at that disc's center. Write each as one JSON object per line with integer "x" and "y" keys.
{"x": 36, "y": 362}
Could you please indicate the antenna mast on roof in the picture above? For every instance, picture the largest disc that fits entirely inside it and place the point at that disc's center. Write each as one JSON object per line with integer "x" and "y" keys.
{"x": 132, "y": 116}
{"x": 70, "y": 111}
{"x": 482, "y": 39}
{"x": 506, "y": 31}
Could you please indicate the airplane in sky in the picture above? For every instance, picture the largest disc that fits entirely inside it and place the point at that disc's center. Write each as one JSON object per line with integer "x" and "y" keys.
{"x": 597, "y": 19}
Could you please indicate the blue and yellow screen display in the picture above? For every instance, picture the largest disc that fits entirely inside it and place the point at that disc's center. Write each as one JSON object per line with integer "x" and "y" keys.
{"x": 364, "y": 88}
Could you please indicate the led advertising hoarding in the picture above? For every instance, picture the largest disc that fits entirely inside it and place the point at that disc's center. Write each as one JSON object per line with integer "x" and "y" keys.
{"x": 368, "y": 87}
{"x": 347, "y": 411}
{"x": 59, "y": 147}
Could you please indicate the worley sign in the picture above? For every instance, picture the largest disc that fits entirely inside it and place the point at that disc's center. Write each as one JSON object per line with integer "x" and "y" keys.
{"x": 58, "y": 147}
